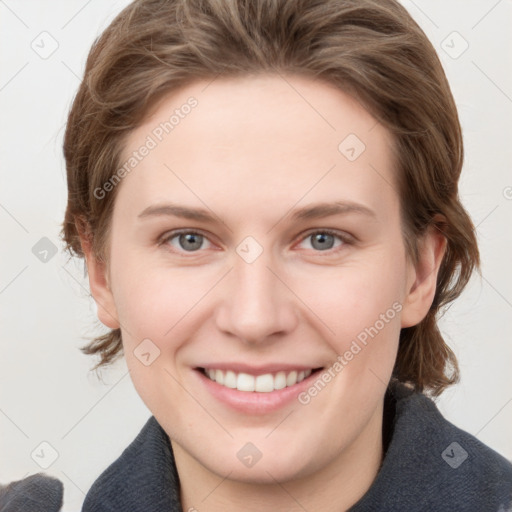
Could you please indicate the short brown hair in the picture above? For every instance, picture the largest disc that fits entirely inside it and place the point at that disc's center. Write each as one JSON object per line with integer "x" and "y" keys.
{"x": 371, "y": 49}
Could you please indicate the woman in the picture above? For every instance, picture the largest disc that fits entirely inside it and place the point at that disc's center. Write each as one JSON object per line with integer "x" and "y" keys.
{"x": 266, "y": 197}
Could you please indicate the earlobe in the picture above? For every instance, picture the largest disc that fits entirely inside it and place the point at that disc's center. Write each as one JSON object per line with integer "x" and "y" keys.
{"x": 421, "y": 286}
{"x": 99, "y": 285}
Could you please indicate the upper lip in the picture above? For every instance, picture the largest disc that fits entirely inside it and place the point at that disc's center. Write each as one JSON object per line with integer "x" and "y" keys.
{"x": 260, "y": 369}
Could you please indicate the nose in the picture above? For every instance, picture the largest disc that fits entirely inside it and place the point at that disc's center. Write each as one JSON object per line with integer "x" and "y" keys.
{"x": 257, "y": 306}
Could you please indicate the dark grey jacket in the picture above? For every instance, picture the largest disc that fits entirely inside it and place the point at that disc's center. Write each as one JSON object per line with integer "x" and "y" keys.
{"x": 429, "y": 465}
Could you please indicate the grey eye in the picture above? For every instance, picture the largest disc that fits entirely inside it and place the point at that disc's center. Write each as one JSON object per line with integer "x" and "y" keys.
{"x": 322, "y": 241}
{"x": 189, "y": 241}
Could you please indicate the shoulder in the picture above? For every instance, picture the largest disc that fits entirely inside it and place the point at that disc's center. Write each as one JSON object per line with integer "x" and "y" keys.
{"x": 143, "y": 478}
{"x": 431, "y": 464}
{"x": 460, "y": 450}
{"x": 37, "y": 493}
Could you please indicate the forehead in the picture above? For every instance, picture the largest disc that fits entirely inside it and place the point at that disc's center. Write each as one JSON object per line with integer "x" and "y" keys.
{"x": 286, "y": 137}
{"x": 250, "y": 108}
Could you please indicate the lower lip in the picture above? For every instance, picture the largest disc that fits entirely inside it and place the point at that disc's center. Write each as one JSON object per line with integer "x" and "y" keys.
{"x": 253, "y": 402}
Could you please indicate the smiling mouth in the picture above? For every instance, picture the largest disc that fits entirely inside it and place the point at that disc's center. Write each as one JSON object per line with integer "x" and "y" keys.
{"x": 265, "y": 383}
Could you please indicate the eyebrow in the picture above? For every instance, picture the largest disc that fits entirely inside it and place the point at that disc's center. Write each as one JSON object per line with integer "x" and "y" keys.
{"x": 314, "y": 211}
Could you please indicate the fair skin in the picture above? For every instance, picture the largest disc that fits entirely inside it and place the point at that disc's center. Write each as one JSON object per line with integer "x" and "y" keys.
{"x": 251, "y": 153}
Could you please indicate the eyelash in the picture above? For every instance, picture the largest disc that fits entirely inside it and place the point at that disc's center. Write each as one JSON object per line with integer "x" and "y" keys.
{"x": 344, "y": 238}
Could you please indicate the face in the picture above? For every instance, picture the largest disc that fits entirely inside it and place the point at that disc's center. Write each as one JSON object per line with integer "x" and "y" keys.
{"x": 258, "y": 274}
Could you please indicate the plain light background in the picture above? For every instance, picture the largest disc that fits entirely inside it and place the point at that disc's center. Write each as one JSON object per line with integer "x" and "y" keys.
{"x": 48, "y": 395}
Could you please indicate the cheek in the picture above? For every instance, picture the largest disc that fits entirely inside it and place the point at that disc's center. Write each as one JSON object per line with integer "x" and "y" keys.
{"x": 160, "y": 310}
{"x": 155, "y": 310}
{"x": 351, "y": 298}
{"x": 361, "y": 306}
{"x": 358, "y": 308}
{"x": 151, "y": 300}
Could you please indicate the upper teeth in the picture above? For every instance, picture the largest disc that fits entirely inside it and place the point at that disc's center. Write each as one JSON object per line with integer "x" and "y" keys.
{"x": 262, "y": 383}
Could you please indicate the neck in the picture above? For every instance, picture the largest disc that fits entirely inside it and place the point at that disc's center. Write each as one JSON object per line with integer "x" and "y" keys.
{"x": 334, "y": 487}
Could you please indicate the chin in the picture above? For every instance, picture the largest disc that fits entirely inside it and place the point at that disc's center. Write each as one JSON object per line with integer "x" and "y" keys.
{"x": 262, "y": 473}
{"x": 275, "y": 465}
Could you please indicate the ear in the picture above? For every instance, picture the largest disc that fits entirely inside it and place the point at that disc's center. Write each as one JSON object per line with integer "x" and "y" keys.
{"x": 422, "y": 277}
{"x": 99, "y": 282}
